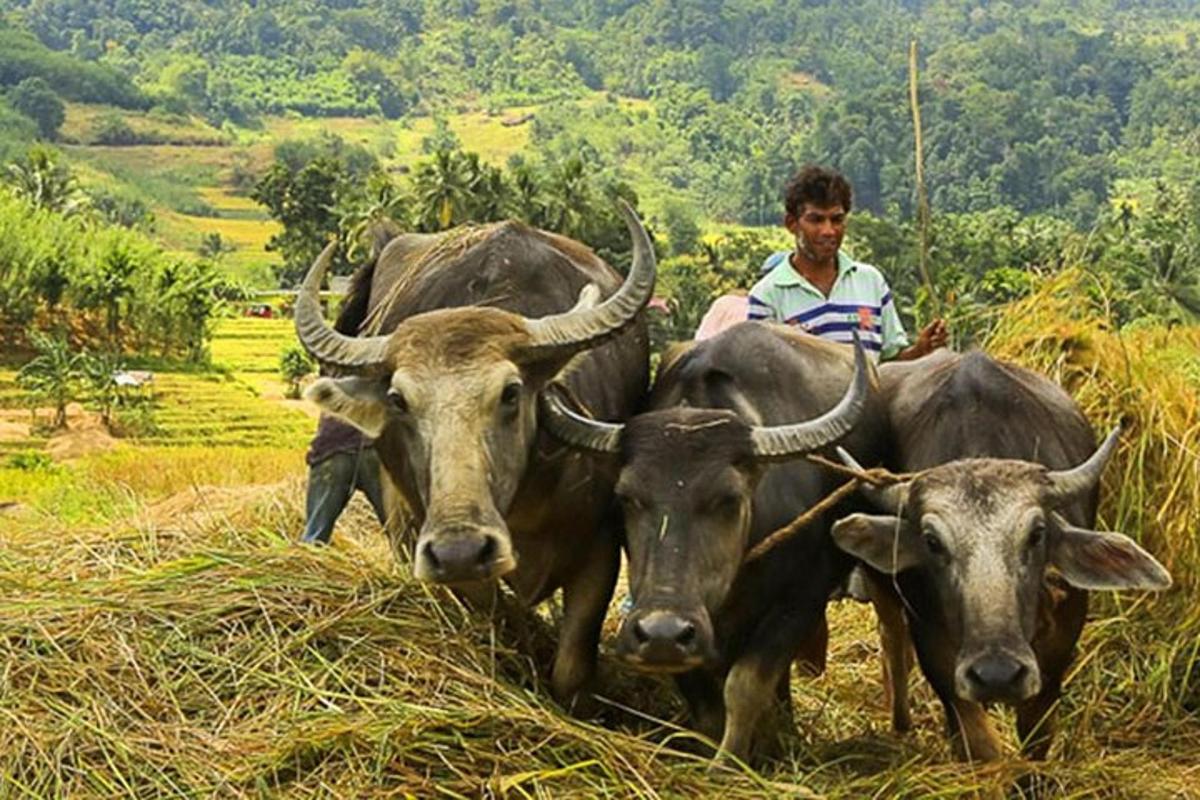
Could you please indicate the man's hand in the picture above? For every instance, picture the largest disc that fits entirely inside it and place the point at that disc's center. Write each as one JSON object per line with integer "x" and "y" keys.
{"x": 931, "y": 337}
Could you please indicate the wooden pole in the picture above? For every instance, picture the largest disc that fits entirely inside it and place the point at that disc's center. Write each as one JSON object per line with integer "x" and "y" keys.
{"x": 922, "y": 197}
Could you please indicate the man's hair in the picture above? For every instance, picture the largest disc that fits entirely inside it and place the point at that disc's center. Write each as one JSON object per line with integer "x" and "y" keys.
{"x": 820, "y": 186}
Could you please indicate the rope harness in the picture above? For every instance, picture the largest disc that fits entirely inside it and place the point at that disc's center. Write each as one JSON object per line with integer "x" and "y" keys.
{"x": 876, "y": 476}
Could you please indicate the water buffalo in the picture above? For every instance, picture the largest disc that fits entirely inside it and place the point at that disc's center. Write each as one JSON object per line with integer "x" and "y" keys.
{"x": 990, "y": 547}
{"x": 707, "y": 473}
{"x": 465, "y": 329}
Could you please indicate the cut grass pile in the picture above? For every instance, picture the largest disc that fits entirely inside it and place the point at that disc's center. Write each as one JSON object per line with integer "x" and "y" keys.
{"x": 181, "y": 644}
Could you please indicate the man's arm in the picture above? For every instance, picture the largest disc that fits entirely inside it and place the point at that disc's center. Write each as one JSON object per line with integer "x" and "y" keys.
{"x": 931, "y": 337}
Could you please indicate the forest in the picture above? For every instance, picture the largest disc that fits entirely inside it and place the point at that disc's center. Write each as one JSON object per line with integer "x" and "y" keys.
{"x": 1048, "y": 127}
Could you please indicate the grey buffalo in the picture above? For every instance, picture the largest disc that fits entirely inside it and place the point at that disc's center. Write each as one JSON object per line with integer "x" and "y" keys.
{"x": 990, "y": 548}
{"x": 466, "y": 328}
{"x": 706, "y": 473}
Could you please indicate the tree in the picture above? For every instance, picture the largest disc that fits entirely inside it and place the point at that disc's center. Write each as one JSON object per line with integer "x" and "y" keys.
{"x": 108, "y": 282}
{"x": 99, "y": 373}
{"x": 304, "y": 202}
{"x": 46, "y": 183}
{"x": 54, "y": 375}
{"x": 34, "y": 98}
{"x": 294, "y": 364}
{"x": 308, "y": 189}
{"x": 683, "y": 233}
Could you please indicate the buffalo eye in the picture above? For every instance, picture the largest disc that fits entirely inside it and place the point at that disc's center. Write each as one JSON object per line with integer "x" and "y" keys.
{"x": 397, "y": 402}
{"x": 723, "y": 503}
{"x": 631, "y": 504}
{"x": 1037, "y": 535}
{"x": 933, "y": 544}
{"x": 511, "y": 395}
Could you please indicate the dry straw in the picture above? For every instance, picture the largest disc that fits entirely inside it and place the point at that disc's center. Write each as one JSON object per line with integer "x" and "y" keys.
{"x": 201, "y": 653}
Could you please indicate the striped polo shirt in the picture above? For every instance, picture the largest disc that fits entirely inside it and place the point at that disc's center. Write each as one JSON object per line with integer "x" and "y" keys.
{"x": 860, "y": 299}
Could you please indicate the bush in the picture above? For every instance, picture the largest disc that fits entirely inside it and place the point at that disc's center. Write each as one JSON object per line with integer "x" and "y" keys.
{"x": 34, "y": 98}
{"x": 30, "y": 461}
{"x": 294, "y": 365}
{"x": 111, "y": 128}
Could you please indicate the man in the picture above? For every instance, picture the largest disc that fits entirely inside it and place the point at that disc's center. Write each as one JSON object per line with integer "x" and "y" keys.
{"x": 340, "y": 460}
{"x": 824, "y": 291}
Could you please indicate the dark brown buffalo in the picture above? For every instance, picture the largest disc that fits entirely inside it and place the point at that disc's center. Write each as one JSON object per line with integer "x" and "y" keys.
{"x": 990, "y": 547}
{"x": 706, "y": 474}
{"x": 466, "y": 328}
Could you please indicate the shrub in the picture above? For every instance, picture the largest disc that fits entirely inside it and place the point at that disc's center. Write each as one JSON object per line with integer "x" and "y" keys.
{"x": 294, "y": 364}
{"x": 55, "y": 375}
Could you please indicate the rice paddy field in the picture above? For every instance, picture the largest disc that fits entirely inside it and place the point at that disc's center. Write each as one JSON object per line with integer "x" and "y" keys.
{"x": 187, "y": 173}
{"x": 161, "y": 634}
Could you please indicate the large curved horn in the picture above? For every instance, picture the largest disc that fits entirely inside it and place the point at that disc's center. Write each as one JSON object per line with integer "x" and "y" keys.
{"x": 1065, "y": 485}
{"x": 324, "y": 343}
{"x": 579, "y": 431}
{"x": 783, "y": 441}
{"x": 887, "y": 498}
{"x": 578, "y": 329}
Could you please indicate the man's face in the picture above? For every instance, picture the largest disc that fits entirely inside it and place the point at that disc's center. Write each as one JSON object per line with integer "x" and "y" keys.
{"x": 819, "y": 230}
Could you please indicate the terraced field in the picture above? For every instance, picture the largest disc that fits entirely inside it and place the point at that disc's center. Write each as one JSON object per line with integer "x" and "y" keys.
{"x": 242, "y": 407}
{"x": 14, "y": 436}
{"x": 239, "y": 405}
{"x": 220, "y": 411}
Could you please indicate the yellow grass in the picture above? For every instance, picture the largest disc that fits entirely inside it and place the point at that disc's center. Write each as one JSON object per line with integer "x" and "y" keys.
{"x": 479, "y": 133}
{"x": 222, "y": 199}
{"x": 81, "y": 118}
{"x": 160, "y": 635}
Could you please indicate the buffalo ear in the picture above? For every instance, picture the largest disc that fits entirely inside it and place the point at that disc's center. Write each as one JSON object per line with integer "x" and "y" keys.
{"x": 882, "y": 542}
{"x": 360, "y": 401}
{"x": 1101, "y": 560}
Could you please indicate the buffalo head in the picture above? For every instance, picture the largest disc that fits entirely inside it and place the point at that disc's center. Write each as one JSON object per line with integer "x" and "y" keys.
{"x": 686, "y": 486}
{"x": 982, "y": 534}
{"x": 453, "y": 392}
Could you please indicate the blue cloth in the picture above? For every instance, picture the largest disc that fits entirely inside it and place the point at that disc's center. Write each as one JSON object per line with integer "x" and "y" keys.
{"x": 331, "y": 483}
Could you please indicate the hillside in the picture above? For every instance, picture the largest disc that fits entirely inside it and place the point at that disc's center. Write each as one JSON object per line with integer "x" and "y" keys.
{"x": 1047, "y": 107}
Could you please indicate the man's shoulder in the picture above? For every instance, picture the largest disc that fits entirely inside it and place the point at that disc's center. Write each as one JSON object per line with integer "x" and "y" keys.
{"x": 870, "y": 275}
{"x": 772, "y": 262}
{"x": 763, "y": 287}
{"x": 773, "y": 268}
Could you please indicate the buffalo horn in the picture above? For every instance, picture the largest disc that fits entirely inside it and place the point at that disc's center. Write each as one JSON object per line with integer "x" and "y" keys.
{"x": 577, "y": 430}
{"x": 575, "y": 330}
{"x": 1065, "y": 485}
{"x": 886, "y": 498}
{"x": 783, "y": 441}
{"x": 324, "y": 343}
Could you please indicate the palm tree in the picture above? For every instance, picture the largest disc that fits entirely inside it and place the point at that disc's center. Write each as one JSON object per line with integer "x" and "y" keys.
{"x": 54, "y": 375}
{"x": 46, "y": 183}
{"x": 442, "y": 189}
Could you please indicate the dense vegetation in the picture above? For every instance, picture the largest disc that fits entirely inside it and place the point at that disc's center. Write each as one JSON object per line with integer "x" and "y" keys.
{"x": 1038, "y": 106}
{"x": 65, "y": 266}
{"x": 1052, "y": 130}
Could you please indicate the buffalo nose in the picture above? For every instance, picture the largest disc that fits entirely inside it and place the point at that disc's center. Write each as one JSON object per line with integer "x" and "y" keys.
{"x": 461, "y": 557}
{"x": 663, "y": 627}
{"x": 996, "y": 673}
